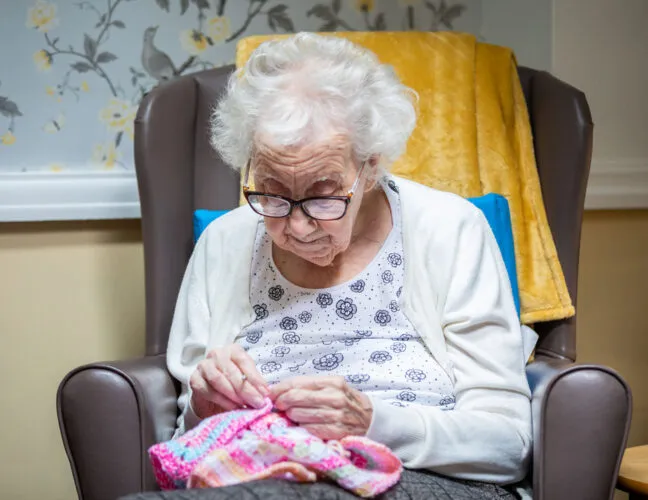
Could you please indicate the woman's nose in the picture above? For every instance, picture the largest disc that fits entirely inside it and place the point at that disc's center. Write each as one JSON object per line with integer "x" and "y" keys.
{"x": 299, "y": 223}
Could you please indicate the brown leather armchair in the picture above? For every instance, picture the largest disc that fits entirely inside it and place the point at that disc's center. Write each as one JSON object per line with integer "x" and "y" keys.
{"x": 110, "y": 413}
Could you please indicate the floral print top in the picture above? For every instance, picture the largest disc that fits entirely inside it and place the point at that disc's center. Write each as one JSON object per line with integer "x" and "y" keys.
{"x": 355, "y": 329}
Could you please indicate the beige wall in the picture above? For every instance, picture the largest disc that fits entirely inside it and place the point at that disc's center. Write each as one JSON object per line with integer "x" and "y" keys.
{"x": 72, "y": 293}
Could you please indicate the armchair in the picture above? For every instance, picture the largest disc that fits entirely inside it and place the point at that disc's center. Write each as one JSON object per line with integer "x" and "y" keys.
{"x": 110, "y": 413}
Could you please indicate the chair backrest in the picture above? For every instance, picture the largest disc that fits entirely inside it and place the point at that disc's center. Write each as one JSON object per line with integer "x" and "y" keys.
{"x": 178, "y": 172}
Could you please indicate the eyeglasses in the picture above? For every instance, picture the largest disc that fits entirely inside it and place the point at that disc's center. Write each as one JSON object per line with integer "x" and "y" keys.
{"x": 316, "y": 207}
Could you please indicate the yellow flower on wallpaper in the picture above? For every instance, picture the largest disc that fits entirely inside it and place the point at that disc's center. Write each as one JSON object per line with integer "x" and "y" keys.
{"x": 193, "y": 41}
{"x": 8, "y": 138}
{"x": 119, "y": 116}
{"x": 43, "y": 60}
{"x": 56, "y": 167}
{"x": 365, "y": 5}
{"x": 107, "y": 155}
{"x": 42, "y": 16}
{"x": 218, "y": 28}
{"x": 84, "y": 86}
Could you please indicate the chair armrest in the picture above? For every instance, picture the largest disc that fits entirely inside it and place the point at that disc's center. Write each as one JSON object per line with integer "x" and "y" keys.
{"x": 581, "y": 419}
{"x": 109, "y": 415}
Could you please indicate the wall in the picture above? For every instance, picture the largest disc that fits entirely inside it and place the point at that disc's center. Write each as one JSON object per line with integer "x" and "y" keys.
{"x": 600, "y": 47}
{"x": 70, "y": 293}
{"x": 613, "y": 295}
{"x": 525, "y": 25}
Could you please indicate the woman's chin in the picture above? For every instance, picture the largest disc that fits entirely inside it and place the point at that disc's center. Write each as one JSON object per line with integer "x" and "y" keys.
{"x": 320, "y": 257}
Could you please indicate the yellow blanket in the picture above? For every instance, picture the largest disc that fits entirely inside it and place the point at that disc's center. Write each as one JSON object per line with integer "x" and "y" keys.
{"x": 472, "y": 137}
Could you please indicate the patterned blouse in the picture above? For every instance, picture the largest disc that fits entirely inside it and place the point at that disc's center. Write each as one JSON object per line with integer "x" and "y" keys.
{"x": 355, "y": 329}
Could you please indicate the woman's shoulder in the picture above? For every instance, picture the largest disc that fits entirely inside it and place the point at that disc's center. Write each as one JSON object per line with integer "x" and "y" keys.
{"x": 233, "y": 230}
{"x": 426, "y": 204}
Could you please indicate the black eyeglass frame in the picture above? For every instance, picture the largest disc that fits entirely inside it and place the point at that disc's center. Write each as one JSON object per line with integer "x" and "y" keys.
{"x": 299, "y": 203}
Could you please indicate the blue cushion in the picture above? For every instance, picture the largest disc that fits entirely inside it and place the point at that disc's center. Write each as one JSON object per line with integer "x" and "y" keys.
{"x": 202, "y": 218}
{"x": 496, "y": 209}
{"x": 494, "y": 206}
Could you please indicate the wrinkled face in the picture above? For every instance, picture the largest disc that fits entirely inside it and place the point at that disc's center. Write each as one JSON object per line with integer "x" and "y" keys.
{"x": 325, "y": 169}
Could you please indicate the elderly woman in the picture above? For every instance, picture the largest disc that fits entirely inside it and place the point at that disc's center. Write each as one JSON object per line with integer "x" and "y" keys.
{"x": 360, "y": 303}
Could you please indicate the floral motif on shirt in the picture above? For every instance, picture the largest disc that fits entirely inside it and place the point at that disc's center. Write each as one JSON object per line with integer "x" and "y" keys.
{"x": 276, "y": 292}
{"x": 393, "y": 306}
{"x": 408, "y": 396}
{"x": 395, "y": 259}
{"x": 324, "y": 299}
{"x": 379, "y": 357}
{"x": 328, "y": 362}
{"x": 296, "y": 367}
{"x": 345, "y": 308}
{"x": 270, "y": 366}
{"x": 382, "y": 317}
{"x": 349, "y": 342}
{"x": 404, "y": 337}
{"x": 281, "y": 350}
{"x": 291, "y": 338}
{"x": 261, "y": 311}
{"x": 387, "y": 276}
{"x": 357, "y": 286}
{"x": 398, "y": 347}
{"x": 415, "y": 375}
{"x": 357, "y": 378}
{"x": 363, "y": 333}
{"x": 305, "y": 316}
{"x": 288, "y": 323}
{"x": 447, "y": 400}
{"x": 399, "y": 291}
{"x": 254, "y": 336}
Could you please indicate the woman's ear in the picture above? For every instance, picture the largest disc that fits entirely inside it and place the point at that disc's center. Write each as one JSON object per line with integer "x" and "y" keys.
{"x": 372, "y": 167}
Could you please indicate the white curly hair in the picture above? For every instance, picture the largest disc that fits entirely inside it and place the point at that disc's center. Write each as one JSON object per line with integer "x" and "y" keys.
{"x": 296, "y": 90}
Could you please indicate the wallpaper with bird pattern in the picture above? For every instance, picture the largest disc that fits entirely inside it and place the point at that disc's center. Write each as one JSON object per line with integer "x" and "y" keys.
{"x": 72, "y": 72}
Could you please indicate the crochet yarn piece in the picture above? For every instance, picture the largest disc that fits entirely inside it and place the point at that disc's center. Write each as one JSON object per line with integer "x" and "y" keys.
{"x": 247, "y": 445}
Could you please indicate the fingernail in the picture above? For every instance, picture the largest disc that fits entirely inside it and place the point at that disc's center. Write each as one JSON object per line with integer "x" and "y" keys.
{"x": 257, "y": 401}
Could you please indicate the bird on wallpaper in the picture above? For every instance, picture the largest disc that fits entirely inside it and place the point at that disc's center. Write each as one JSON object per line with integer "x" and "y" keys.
{"x": 155, "y": 62}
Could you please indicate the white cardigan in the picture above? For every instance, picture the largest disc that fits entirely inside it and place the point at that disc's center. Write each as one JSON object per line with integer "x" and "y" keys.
{"x": 457, "y": 296}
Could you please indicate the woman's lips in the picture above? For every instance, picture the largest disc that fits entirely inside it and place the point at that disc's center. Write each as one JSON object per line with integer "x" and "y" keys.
{"x": 310, "y": 246}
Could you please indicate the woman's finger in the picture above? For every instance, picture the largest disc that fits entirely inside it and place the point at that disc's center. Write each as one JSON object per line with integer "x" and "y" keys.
{"x": 201, "y": 388}
{"x": 326, "y": 432}
{"x": 308, "y": 398}
{"x": 219, "y": 381}
{"x": 312, "y": 415}
{"x": 246, "y": 365}
{"x": 245, "y": 391}
{"x": 306, "y": 382}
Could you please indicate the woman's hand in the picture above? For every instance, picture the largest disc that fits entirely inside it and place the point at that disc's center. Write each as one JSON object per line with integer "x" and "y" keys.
{"x": 227, "y": 379}
{"x": 326, "y": 406}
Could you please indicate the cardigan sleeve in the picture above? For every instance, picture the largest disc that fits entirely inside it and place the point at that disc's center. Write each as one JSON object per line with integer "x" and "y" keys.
{"x": 487, "y": 436}
{"x": 189, "y": 333}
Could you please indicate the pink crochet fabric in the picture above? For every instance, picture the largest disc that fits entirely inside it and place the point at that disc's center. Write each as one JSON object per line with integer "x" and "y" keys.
{"x": 246, "y": 445}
